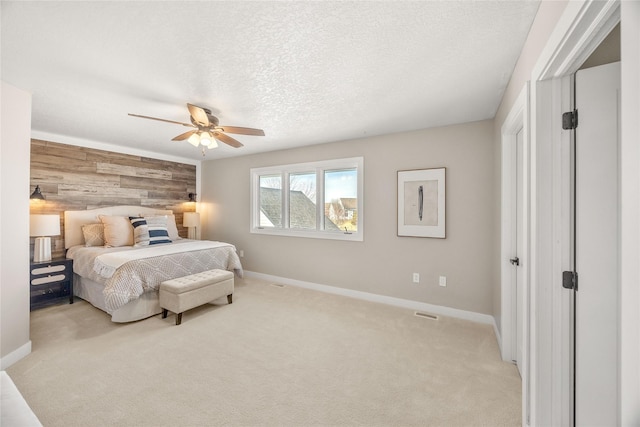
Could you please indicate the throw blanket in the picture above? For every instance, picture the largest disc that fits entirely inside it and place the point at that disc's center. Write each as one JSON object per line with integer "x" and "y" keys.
{"x": 144, "y": 270}
{"x": 106, "y": 264}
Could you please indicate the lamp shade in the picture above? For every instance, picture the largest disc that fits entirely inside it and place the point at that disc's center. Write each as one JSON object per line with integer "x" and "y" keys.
{"x": 191, "y": 219}
{"x": 205, "y": 139}
{"x": 44, "y": 225}
{"x": 194, "y": 139}
{"x": 37, "y": 194}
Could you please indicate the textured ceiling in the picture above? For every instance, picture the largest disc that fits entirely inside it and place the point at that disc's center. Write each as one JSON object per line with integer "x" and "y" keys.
{"x": 305, "y": 72}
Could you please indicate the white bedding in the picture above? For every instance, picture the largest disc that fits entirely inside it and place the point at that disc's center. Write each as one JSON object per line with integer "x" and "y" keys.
{"x": 129, "y": 272}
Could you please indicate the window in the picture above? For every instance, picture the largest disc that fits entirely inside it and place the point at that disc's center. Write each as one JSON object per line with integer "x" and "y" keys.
{"x": 320, "y": 199}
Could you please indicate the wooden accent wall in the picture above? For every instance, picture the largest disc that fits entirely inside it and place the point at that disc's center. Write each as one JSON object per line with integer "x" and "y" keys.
{"x": 78, "y": 178}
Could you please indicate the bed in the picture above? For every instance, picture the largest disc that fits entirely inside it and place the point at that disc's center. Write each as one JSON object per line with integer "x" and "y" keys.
{"x": 122, "y": 279}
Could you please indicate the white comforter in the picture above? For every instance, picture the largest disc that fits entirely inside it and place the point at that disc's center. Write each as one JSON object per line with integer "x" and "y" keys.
{"x": 128, "y": 272}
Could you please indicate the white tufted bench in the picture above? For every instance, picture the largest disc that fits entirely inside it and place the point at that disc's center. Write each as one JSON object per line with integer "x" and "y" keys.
{"x": 184, "y": 293}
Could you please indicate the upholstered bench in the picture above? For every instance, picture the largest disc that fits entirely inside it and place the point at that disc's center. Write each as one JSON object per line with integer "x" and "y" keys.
{"x": 184, "y": 293}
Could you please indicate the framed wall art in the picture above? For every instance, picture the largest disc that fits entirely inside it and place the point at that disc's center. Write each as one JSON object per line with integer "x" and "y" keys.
{"x": 421, "y": 203}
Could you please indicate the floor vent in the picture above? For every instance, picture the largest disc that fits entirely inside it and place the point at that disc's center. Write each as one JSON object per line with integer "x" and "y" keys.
{"x": 277, "y": 285}
{"x": 426, "y": 315}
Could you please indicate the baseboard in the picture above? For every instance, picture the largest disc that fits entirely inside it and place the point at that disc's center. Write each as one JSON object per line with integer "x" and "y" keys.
{"x": 15, "y": 355}
{"x": 398, "y": 302}
{"x": 496, "y": 331}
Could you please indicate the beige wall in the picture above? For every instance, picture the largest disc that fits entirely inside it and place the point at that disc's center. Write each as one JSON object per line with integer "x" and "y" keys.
{"x": 547, "y": 17}
{"x": 383, "y": 263}
{"x": 14, "y": 225}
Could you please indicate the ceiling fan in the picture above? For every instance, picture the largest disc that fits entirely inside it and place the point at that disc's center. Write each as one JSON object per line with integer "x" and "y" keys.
{"x": 207, "y": 129}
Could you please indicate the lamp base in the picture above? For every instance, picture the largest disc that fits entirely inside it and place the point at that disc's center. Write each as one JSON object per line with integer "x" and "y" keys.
{"x": 191, "y": 233}
{"x": 42, "y": 249}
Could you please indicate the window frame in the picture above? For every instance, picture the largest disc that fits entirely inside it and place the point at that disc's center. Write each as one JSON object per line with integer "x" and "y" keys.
{"x": 319, "y": 167}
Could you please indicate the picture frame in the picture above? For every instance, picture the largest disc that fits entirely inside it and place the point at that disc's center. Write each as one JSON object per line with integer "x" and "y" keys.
{"x": 422, "y": 203}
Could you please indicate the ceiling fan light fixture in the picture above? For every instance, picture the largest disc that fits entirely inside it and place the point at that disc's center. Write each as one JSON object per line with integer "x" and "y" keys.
{"x": 214, "y": 144}
{"x": 206, "y": 139}
{"x": 194, "y": 139}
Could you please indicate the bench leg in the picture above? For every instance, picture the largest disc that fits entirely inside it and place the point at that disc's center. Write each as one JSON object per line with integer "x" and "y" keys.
{"x": 230, "y": 298}
{"x": 178, "y": 318}
{"x": 164, "y": 313}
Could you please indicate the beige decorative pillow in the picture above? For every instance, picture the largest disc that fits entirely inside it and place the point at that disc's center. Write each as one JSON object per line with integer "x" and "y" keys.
{"x": 118, "y": 231}
{"x": 93, "y": 234}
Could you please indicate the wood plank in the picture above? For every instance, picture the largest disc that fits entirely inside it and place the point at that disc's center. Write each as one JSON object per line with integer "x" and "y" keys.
{"x": 111, "y": 168}
{"x": 38, "y": 143}
{"x": 94, "y": 155}
{"x": 82, "y": 190}
{"x": 71, "y": 177}
{"x": 184, "y": 175}
{"x": 131, "y": 161}
{"x": 64, "y": 152}
{"x": 161, "y": 203}
{"x": 46, "y": 161}
{"x": 169, "y": 195}
{"x": 153, "y": 184}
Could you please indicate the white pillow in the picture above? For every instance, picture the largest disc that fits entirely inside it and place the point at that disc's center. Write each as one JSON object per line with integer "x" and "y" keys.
{"x": 118, "y": 231}
{"x": 93, "y": 234}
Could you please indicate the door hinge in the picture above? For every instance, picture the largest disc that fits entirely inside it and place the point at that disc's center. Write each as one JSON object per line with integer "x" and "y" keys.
{"x": 570, "y": 280}
{"x": 570, "y": 120}
{"x": 515, "y": 261}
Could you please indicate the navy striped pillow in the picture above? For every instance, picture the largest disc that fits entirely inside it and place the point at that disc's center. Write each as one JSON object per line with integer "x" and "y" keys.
{"x": 140, "y": 231}
{"x": 158, "y": 232}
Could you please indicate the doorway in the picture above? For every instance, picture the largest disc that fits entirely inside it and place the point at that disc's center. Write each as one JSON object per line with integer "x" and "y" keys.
{"x": 515, "y": 238}
{"x": 582, "y": 27}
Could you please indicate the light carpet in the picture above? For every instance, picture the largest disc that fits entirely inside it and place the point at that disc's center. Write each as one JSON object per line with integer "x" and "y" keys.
{"x": 278, "y": 355}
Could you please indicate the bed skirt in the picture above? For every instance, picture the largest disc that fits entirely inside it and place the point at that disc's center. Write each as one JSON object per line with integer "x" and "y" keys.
{"x": 146, "y": 305}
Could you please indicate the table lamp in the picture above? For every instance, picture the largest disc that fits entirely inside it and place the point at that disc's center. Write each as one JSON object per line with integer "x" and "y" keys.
{"x": 41, "y": 227}
{"x": 191, "y": 220}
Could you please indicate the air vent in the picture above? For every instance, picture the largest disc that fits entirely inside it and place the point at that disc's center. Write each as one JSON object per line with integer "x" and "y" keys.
{"x": 426, "y": 315}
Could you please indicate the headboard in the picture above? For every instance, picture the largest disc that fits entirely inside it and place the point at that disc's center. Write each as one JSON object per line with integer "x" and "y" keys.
{"x": 74, "y": 220}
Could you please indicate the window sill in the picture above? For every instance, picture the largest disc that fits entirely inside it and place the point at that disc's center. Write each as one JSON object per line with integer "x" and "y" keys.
{"x": 310, "y": 234}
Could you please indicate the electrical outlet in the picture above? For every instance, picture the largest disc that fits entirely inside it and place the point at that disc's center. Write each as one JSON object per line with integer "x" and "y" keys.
{"x": 241, "y": 253}
{"x": 443, "y": 281}
{"x": 416, "y": 277}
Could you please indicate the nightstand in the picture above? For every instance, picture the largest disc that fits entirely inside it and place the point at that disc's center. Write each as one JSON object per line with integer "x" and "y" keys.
{"x": 51, "y": 282}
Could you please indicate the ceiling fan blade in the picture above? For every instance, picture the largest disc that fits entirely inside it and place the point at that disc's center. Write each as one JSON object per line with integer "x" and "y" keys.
{"x": 199, "y": 114}
{"x": 184, "y": 136}
{"x": 241, "y": 130}
{"x": 163, "y": 120}
{"x": 227, "y": 139}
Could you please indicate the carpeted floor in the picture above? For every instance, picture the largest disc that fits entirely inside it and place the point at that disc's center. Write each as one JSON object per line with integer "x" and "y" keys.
{"x": 280, "y": 356}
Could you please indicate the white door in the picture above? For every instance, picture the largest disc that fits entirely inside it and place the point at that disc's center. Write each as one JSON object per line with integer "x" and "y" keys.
{"x": 517, "y": 239}
{"x": 519, "y": 250}
{"x": 597, "y": 242}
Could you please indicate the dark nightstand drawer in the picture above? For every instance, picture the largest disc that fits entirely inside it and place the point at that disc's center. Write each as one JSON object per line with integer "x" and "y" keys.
{"x": 51, "y": 282}
{"x": 43, "y": 294}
